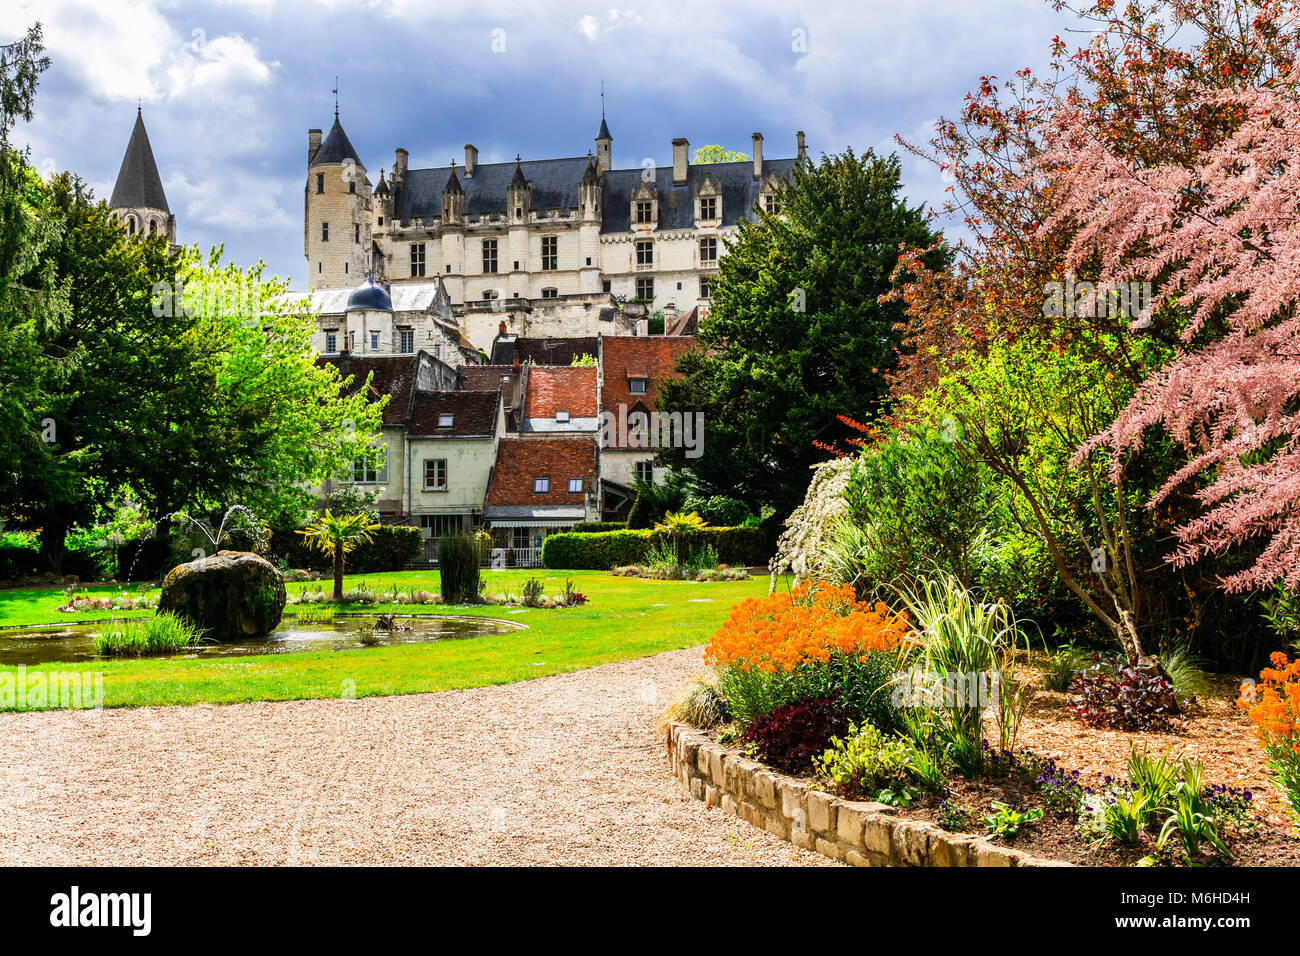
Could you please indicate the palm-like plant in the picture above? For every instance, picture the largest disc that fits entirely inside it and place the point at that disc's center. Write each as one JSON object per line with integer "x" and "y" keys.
{"x": 679, "y": 527}
{"x": 337, "y": 535}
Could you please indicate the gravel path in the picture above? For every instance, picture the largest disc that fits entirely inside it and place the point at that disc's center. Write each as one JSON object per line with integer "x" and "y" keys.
{"x": 565, "y": 770}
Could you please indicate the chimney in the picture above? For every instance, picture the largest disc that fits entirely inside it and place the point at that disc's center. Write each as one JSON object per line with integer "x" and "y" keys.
{"x": 501, "y": 329}
{"x": 803, "y": 147}
{"x": 758, "y": 155}
{"x": 471, "y": 160}
{"x": 313, "y": 143}
{"x": 399, "y": 164}
{"x": 680, "y": 146}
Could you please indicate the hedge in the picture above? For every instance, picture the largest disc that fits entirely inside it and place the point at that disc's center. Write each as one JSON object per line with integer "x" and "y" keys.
{"x": 391, "y": 548}
{"x": 591, "y": 527}
{"x": 600, "y": 551}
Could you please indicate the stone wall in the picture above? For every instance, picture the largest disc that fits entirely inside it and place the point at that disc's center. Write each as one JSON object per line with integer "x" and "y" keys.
{"x": 857, "y": 833}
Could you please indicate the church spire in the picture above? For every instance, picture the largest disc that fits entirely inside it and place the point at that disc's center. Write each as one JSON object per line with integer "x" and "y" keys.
{"x": 138, "y": 184}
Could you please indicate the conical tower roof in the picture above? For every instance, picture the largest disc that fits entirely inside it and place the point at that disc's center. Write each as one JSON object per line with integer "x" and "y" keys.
{"x": 336, "y": 148}
{"x": 138, "y": 183}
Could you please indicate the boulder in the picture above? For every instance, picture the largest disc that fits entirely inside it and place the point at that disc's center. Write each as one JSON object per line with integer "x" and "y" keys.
{"x": 234, "y": 595}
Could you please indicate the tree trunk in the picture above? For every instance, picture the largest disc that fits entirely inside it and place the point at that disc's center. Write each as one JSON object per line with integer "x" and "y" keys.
{"x": 53, "y": 545}
{"x": 338, "y": 573}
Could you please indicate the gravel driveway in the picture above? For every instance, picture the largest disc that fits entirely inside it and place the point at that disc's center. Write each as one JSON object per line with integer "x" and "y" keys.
{"x": 564, "y": 770}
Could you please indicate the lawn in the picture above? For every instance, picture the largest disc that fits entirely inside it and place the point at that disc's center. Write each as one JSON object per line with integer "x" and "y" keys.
{"x": 626, "y": 618}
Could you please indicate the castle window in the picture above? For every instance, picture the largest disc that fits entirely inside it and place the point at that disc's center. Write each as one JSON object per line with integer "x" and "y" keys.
{"x": 324, "y": 231}
{"x": 381, "y": 220}
{"x": 645, "y": 252}
{"x": 708, "y": 249}
{"x": 352, "y": 185}
{"x": 331, "y": 343}
{"x": 320, "y": 183}
{"x": 709, "y": 207}
{"x": 406, "y": 340}
{"x": 550, "y": 252}
{"x": 374, "y": 341}
{"x": 152, "y": 223}
{"x": 345, "y": 268}
{"x": 606, "y": 285}
{"x": 645, "y": 288}
{"x": 489, "y": 255}
{"x": 130, "y": 225}
{"x": 417, "y": 259}
{"x": 550, "y": 293}
{"x": 644, "y": 210}
{"x": 706, "y": 287}
{"x": 356, "y": 232}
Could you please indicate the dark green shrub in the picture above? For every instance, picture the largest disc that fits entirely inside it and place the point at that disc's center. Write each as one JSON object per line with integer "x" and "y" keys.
{"x": 720, "y": 510}
{"x": 742, "y": 547}
{"x": 18, "y": 561}
{"x": 458, "y": 569}
{"x": 594, "y": 527}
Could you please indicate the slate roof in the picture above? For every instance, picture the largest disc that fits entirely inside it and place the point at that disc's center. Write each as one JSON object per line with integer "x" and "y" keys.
{"x": 486, "y": 378}
{"x": 684, "y": 323}
{"x": 543, "y": 351}
{"x": 336, "y": 148}
{"x": 394, "y": 376}
{"x": 404, "y": 296}
{"x": 473, "y": 414}
{"x": 555, "y": 184}
{"x": 138, "y": 183}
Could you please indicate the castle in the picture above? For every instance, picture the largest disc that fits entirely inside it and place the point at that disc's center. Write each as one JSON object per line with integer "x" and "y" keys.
{"x": 541, "y": 247}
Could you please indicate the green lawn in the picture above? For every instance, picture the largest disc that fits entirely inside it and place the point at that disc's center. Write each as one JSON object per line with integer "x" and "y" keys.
{"x": 627, "y": 618}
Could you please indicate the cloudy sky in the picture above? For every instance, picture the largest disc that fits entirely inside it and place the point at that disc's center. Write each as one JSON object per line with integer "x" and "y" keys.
{"x": 230, "y": 87}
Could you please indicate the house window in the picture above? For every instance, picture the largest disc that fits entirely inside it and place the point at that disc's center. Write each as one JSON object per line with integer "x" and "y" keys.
{"x": 541, "y": 486}
{"x": 575, "y": 486}
{"x": 445, "y": 419}
{"x": 324, "y": 231}
{"x": 489, "y": 255}
{"x": 645, "y": 288}
{"x": 708, "y": 249}
{"x": 709, "y": 207}
{"x": 439, "y": 526}
{"x": 644, "y": 471}
{"x": 644, "y": 210}
{"x": 771, "y": 205}
{"x": 371, "y": 471}
{"x": 645, "y": 252}
{"x": 417, "y": 259}
{"x": 331, "y": 343}
{"x": 374, "y": 341}
{"x": 561, "y": 417}
{"x": 521, "y": 538}
{"x": 636, "y": 386}
{"x": 550, "y": 293}
{"x": 435, "y": 474}
{"x": 406, "y": 340}
{"x": 706, "y": 287}
{"x": 356, "y": 232}
{"x": 320, "y": 183}
{"x": 550, "y": 252}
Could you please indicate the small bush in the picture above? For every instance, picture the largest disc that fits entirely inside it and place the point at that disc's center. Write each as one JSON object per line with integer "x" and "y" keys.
{"x": 865, "y": 761}
{"x": 699, "y": 704}
{"x": 1121, "y": 697}
{"x": 459, "y": 557}
{"x": 316, "y": 615}
{"x": 793, "y": 734}
{"x": 361, "y": 595}
{"x": 742, "y": 547}
{"x": 1062, "y": 665}
{"x": 163, "y": 634}
{"x": 533, "y": 593}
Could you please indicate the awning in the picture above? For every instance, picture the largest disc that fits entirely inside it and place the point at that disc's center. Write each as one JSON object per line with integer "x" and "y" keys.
{"x": 533, "y": 522}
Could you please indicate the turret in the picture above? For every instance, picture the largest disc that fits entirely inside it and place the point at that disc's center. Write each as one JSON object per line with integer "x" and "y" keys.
{"x": 519, "y": 194}
{"x": 138, "y": 198}
{"x": 604, "y": 147}
{"x": 453, "y": 199}
{"x": 337, "y": 211}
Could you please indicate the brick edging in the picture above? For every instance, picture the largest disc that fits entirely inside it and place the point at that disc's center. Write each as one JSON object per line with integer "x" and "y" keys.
{"x": 854, "y": 832}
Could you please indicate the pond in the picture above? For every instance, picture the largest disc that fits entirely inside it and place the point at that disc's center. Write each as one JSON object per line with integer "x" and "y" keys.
{"x": 76, "y": 642}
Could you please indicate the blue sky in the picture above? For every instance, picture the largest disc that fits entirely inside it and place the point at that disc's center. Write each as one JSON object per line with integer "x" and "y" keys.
{"x": 229, "y": 89}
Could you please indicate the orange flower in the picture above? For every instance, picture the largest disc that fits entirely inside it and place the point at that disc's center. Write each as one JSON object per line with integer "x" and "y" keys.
{"x": 814, "y": 622}
{"x": 1276, "y": 710}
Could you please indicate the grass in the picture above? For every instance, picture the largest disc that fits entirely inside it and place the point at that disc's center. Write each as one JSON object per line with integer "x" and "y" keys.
{"x": 626, "y": 618}
{"x": 161, "y": 634}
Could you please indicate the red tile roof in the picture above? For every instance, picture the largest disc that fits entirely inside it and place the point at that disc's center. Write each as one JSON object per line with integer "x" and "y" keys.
{"x": 551, "y": 389}
{"x": 625, "y": 357}
{"x": 520, "y": 460}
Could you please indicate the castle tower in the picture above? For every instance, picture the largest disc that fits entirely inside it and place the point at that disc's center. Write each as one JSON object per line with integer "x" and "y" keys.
{"x": 336, "y": 211}
{"x": 604, "y": 146}
{"x": 138, "y": 198}
{"x": 453, "y": 235}
{"x": 519, "y": 196}
{"x": 589, "y": 201}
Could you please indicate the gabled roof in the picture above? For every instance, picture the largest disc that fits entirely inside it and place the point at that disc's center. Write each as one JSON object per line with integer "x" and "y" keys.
{"x": 486, "y": 378}
{"x": 473, "y": 414}
{"x": 684, "y": 323}
{"x": 336, "y": 148}
{"x": 625, "y": 357}
{"x": 138, "y": 183}
{"x": 520, "y": 460}
{"x": 554, "y": 186}
{"x": 550, "y": 389}
{"x": 677, "y": 203}
{"x": 394, "y": 376}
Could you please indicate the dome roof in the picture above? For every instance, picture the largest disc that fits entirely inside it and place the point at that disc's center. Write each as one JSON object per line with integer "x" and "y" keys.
{"x": 371, "y": 296}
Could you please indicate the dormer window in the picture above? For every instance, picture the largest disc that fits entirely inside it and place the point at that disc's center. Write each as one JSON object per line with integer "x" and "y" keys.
{"x": 636, "y": 386}
{"x": 561, "y": 417}
{"x": 445, "y": 419}
{"x": 709, "y": 207}
{"x": 644, "y": 211}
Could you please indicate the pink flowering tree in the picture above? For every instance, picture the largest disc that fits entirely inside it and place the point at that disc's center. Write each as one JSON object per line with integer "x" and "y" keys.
{"x": 1219, "y": 236}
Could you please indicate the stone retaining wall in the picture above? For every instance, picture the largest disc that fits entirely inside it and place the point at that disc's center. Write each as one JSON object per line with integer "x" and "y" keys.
{"x": 861, "y": 834}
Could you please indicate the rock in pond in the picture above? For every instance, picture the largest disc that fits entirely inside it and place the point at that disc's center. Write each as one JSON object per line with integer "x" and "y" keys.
{"x": 233, "y": 595}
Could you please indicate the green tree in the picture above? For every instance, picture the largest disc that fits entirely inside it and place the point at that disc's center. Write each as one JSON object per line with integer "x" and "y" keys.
{"x": 796, "y": 333}
{"x": 337, "y": 536}
{"x": 713, "y": 153}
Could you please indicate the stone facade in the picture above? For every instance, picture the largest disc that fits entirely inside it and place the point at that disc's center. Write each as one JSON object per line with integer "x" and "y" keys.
{"x": 853, "y": 832}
